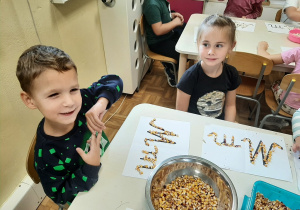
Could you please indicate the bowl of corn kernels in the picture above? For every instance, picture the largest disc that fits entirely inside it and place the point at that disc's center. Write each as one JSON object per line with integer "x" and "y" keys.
{"x": 189, "y": 182}
{"x": 294, "y": 35}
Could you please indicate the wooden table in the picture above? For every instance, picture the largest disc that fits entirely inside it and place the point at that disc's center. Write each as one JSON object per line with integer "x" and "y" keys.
{"x": 114, "y": 191}
{"x": 246, "y": 42}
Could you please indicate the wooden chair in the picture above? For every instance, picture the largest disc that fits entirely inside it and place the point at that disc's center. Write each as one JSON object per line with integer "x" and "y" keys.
{"x": 278, "y": 15}
{"x": 148, "y": 54}
{"x": 289, "y": 84}
{"x": 31, "y": 169}
{"x": 30, "y": 163}
{"x": 252, "y": 69}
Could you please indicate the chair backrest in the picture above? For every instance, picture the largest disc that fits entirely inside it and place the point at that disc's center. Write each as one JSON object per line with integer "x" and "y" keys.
{"x": 289, "y": 84}
{"x": 250, "y": 64}
{"x": 30, "y": 162}
{"x": 278, "y": 15}
{"x": 143, "y": 36}
{"x": 286, "y": 81}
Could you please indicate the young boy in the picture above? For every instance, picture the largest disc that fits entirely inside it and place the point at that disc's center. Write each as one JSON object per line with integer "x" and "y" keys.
{"x": 48, "y": 78}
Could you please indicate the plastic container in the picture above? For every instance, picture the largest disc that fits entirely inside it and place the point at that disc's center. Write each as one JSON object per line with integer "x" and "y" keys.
{"x": 273, "y": 193}
{"x": 294, "y": 35}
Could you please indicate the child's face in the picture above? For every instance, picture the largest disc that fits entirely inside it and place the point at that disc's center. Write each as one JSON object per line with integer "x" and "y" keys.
{"x": 214, "y": 45}
{"x": 57, "y": 96}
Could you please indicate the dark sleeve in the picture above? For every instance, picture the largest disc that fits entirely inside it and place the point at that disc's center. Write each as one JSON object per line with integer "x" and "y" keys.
{"x": 188, "y": 80}
{"x": 109, "y": 87}
{"x": 235, "y": 79}
{"x": 152, "y": 14}
{"x": 257, "y": 9}
{"x": 58, "y": 183}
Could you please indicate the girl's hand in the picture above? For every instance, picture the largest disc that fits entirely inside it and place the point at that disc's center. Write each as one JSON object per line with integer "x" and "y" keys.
{"x": 263, "y": 45}
{"x": 95, "y": 115}
{"x": 296, "y": 146}
{"x": 93, "y": 156}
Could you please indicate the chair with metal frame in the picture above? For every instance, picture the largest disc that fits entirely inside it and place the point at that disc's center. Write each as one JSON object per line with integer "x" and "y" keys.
{"x": 278, "y": 15}
{"x": 288, "y": 84}
{"x": 148, "y": 54}
{"x": 252, "y": 69}
{"x": 31, "y": 169}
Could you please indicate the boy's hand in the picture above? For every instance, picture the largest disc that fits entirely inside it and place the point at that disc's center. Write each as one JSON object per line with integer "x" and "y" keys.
{"x": 296, "y": 146}
{"x": 93, "y": 156}
{"x": 95, "y": 115}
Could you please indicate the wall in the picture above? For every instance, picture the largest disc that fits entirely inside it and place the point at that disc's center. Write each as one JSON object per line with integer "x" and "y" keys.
{"x": 75, "y": 28}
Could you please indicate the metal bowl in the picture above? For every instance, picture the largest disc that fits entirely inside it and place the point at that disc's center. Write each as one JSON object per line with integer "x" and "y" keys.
{"x": 209, "y": 172}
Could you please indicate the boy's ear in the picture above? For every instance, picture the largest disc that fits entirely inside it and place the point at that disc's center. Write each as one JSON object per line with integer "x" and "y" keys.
{"x": 27, "y": 100}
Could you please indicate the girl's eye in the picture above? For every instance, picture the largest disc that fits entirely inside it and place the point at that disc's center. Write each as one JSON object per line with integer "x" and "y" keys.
{"x": 219, "y": 45}
{"x": 205, "y": 44}
{"x": 53, "y": 95}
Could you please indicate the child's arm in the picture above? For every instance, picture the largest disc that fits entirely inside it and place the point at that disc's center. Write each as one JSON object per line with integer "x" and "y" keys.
{"x": 58, "y": 182}
{"x": 262, "y": 51}
{"x": 95, "y": 115}
{"x": 99, "y": 97}
{"x": 182, "y": 101}
{"x": 296, "y": 130}
{"x": 257, "y": 11}
{"x": 293, "y": 13}
{"x": 163, "y": 28}
{"x": 230, "y": 106}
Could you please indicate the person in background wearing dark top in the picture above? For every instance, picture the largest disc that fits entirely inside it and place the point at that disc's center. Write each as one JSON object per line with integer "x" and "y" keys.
{"x": 209, "y": 87}
{"x": 162, "y": 32}
{"x": 69, "y": 138}
{"x": 250, "y": 9}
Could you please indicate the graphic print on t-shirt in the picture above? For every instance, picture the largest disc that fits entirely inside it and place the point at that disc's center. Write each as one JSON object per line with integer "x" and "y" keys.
{"x": 211, "y": 104}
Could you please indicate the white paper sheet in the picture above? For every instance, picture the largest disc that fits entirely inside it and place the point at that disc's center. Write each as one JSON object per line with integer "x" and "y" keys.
{"x": 297, "y": 167}
{"x": 244, "y": 26}
{"x": 238, "y": 158}
{"x": 165, "y": 150}
{"x": 278, "y": 27}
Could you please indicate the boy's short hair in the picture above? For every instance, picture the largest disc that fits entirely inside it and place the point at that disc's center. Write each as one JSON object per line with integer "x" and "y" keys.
{"x": 39, "y": 58}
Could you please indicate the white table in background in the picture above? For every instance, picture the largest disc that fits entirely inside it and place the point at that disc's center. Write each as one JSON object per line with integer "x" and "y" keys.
{"x": 246, "y": 41}
{"x": 114, "y": 191}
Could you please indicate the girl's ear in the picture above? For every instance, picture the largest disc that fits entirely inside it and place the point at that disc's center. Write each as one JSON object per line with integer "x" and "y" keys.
{"x": 233, "y": 46}
{"x": 27, "y": 100}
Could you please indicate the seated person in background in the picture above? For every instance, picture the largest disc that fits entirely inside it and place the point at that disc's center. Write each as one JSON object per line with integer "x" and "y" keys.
{"x": 209, "y": 87}
{"x": 291, "y": 12}
{"x": 161, "y": 36}
{"x": 296, "y": 130}
{"x": 292, "y": 102}
{"x": 48, "y": 78}
{"x": 250, "y": 9}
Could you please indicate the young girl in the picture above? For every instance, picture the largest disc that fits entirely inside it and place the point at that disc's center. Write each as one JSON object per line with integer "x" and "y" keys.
{"x": 209, "y": 87}
{"x": 292, "y": 102}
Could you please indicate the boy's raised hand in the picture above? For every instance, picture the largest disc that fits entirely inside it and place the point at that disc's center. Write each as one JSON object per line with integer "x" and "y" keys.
{"x": 93, "y": 156}
{"x": 95, "y": 115}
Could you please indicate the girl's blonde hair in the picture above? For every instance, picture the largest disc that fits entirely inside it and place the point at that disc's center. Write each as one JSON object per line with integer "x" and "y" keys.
{"x": 218, "y": 21}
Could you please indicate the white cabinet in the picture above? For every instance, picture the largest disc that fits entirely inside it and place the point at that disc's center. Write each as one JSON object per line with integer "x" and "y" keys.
{"x": 121, "y": 40}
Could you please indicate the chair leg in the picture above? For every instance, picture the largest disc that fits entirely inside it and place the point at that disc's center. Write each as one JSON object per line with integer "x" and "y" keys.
{"x": 253, "y": 110}
{"x": 264, "y": 120}
{"x": 257, "y": 114}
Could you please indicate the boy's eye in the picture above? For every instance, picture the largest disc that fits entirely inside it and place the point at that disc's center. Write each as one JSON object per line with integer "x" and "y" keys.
{"x": 74, "y": 89}
{"x": 53, "y": 95}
